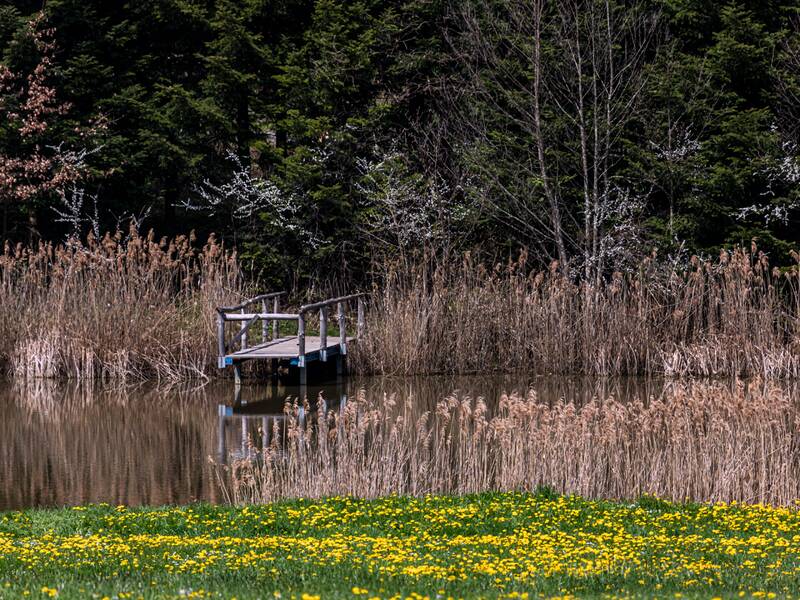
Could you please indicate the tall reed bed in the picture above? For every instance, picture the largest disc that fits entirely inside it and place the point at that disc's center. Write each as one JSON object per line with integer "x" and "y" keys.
{"x": 131, "y": 306}
{"x": 731, "y": 316}
{"x": 705, "y": 443}
{"x": 124, "y": 306}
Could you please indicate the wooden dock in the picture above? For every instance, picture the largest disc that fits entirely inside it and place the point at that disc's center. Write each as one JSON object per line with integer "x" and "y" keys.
{"x": 254, "y": 320}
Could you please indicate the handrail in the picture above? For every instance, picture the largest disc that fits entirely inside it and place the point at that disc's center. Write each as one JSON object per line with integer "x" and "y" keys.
{"x": 315, "y": 305}
{"x": 222, "y": 309}
{"x": 268, "y": 316}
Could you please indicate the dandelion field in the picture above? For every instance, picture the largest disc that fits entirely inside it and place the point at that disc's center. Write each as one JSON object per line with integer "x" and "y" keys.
{"x": 491, "y": 545}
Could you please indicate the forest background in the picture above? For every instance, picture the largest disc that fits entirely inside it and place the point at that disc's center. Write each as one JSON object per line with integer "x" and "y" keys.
{"x": 321, "y": 136}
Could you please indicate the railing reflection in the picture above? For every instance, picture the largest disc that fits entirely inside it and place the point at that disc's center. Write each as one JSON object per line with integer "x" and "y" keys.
{"x": 256, "y": 418}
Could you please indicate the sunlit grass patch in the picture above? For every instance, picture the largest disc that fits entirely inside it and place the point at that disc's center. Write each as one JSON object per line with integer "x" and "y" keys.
{"x": 489, "y": 545}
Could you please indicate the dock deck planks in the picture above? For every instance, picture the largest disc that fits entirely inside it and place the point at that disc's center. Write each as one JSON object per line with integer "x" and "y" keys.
{"x": 286, "y": 348}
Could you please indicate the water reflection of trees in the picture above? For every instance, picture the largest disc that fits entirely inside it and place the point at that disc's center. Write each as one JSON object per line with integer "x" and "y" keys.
{"x": 73, "y": 444}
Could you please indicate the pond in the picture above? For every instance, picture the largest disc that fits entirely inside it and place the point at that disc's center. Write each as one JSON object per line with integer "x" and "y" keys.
{"x": 69, "y": 444}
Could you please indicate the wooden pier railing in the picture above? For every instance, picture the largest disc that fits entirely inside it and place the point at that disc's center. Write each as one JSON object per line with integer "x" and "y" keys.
{"x": 299, "y": 349}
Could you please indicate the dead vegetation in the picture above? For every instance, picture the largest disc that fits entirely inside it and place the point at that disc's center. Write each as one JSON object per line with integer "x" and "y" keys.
{"x": 705, "y": 442}
{"x": 120, "y": 307}
{"x": 735, "y": 316}
{"x": 134, "y": 307}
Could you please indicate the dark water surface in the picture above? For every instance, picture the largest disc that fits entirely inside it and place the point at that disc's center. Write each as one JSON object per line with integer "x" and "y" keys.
{"x": 68, "y": 444}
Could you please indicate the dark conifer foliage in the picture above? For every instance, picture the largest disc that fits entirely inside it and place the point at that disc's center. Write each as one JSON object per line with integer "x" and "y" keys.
{"x": 319, "y": 135}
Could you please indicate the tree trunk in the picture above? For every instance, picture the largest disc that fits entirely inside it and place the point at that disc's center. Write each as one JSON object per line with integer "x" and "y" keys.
{"x": 33, "y": 227}
{"x": 555, "y": 209}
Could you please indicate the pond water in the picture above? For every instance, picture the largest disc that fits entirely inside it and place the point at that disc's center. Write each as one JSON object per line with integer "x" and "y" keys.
{"x": 68, "y": 444}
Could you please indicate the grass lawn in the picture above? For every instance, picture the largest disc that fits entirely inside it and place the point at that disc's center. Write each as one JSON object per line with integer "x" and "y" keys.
{"x": 490, "y": 545}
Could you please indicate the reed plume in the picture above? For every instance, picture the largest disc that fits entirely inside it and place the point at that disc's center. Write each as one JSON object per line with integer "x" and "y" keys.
{"x": 136, "y": 307}
{"x": 120, "y": 307}
{"x": 706, "y": 442}
{"x": 734, "y": 316}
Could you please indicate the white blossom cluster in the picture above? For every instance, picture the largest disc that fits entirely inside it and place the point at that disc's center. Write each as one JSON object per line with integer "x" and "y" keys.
{"x": 246, "y": 197}
{"x": 405, "y": 210}
{"x": 687, "y": 145}
{"x": 618, "y": 217}
{"x": 785, "y": 172}
{"x": 71, "y": 211}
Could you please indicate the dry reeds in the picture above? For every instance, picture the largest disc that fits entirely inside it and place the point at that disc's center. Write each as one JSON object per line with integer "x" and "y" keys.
{"x": 731, "y": 317}
{"x": 116, "y": 307}
{"x": 137, "y": 307}
{"x": 704, "y": 443}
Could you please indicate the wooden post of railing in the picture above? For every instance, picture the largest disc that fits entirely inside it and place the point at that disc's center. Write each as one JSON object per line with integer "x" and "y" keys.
{"x": 301, "y": 340}
{"x": 360, "y": 325}
{"x": 244, "y": 329}
{"x": 342, "y": 329}
{"x": 301, "y": 347}
{"x": 323, "y": 334}
{"x": 275, "y": 306}
{"x": 340, "y": 366}
{"x": 264, "y": 324}
{"x": 275, "y": 330}
{"x": 220, "y": 340}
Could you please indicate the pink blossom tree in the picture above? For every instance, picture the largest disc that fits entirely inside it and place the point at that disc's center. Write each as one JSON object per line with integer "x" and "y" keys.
{"x": 29, "y": 105}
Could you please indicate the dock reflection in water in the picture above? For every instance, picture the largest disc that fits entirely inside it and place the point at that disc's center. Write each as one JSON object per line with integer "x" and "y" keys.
{"x": 68, "y": 444}
{"x": 257, "y": 415}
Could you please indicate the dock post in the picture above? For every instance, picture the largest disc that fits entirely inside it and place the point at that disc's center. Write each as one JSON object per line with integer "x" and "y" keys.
{"x": 244, "y": 332}
{"x": 275, "y": 307}
{"x": 237, "y": 374}
{"x": 301, "y": 340}
{"x": 301, "y": 347}
{"x": 342, "y": 329}
{"x": 323, "y": 334}
{"x": 341, "y": 358}
{"x": 264, "y": 324}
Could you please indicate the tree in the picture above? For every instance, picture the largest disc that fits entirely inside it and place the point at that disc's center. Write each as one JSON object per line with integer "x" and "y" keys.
{"x": 328, "y": 88}
{"x": 710, "y": 151}
{"x": 28, "y": 102}
{"x": 403, "y": 210}
{"x": 550, "y": 91}
{"x": 248, "y": 202}
{"x": 585, "y": 129}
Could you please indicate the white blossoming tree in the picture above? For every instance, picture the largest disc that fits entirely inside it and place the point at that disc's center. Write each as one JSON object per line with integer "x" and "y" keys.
{"x": 405, "y": 210}
{"x": 249, "y": 202}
